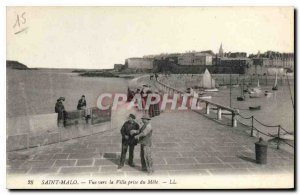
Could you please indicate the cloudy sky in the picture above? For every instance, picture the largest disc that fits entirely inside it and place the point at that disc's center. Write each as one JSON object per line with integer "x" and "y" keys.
{"x": 98, "y": 37}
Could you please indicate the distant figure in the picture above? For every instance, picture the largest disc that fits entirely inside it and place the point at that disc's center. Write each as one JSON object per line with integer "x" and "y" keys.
{"x": 128, "y": 140}
{"x": 137, "y": 91}
{"x": 145, "y": 139}
{"x": 60, "y": 109}
{"x": 151, "y": 106}
{"x": 156, "y": 76}
{"x": 157, "y": 106}
{"x": 81, "y": 103}
{"x": 130, "y": 95}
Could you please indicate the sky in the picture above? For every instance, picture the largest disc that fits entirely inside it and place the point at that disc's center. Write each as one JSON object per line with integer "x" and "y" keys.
{"x": 99, "y": 37}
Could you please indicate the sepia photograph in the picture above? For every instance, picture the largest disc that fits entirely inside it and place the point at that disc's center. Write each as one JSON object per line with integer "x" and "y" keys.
{"x": 150, "y": 97}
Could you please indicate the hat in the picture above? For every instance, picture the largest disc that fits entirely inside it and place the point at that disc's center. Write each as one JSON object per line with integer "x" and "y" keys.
{"x": 146, "y": 117}
{"x": 61, "y": 98}
{"x": 132, "y": 116}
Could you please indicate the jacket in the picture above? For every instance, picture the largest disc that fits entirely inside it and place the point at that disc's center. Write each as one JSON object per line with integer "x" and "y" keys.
{"x": 81, "y": 103}
{"x": 146, "y": 135}
{"x": 125, "y": 130}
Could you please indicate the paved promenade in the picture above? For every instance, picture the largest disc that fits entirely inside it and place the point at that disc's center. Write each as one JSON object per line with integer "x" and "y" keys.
{"x": 183, "y": 143}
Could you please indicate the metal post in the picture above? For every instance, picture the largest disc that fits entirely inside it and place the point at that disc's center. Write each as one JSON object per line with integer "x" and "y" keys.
{"x": 252, "y": 127}
{"x": 278, "y": 141}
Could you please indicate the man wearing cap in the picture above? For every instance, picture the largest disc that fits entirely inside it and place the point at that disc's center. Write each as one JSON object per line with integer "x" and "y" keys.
{"x": 81, "y": 103}
{"x": 145, "y": 139}
{"x": 128, "y": 140}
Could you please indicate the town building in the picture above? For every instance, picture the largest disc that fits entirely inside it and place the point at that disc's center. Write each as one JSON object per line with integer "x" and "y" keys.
{"x": 272, "y": 62}
{"x": 235, "y": 54}
{"x": 140, "y": 63}
{"x": 195, "y": 58}
{"x": 119, "y": 67}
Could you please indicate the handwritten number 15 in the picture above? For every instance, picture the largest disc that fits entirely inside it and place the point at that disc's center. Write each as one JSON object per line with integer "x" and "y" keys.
{"x": 21, "y": 19}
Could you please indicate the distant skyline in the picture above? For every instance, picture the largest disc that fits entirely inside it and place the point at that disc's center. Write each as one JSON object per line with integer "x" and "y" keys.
{"x": 99, "y": 37}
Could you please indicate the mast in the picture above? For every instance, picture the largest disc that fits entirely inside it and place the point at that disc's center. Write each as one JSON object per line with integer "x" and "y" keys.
{"x": 242, "y": 93}
{"x": 275, "y": 83}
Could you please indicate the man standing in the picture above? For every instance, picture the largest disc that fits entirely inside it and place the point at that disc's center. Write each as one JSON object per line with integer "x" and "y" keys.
{"x": 60, "y": 110}
{"x": 81, "y": 103}
{"x": 128, "y": 140}
{"x": 145, "y": 139}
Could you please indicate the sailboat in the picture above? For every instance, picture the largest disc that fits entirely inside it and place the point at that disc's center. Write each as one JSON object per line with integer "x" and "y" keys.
{"x": 256, "y": 91}
{"x": 208, "y": 83}
{"x": 274, "y": 88}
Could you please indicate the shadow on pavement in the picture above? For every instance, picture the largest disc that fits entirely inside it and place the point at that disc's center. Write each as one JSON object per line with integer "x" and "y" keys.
{"x": 247, "y": 159}
{"x": 114, "y": 158}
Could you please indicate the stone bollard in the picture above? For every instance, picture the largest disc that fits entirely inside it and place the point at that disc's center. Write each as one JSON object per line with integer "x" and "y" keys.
{"x": 234, "y": 119}
{"x": 207, "y": 108}
{"x": 261, "y": 148}
{"x": 219, "y": 114}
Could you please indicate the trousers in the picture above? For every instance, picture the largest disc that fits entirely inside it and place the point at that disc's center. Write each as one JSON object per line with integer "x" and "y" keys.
{"x": 146, "y": 158}
{"x": 125, "y": 146}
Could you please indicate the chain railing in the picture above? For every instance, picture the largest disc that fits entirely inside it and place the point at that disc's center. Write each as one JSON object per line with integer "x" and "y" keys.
{"x": 280, "y": 130}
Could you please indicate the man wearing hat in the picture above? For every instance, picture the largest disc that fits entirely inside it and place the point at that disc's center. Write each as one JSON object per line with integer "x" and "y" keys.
{"x": 60, "y": 110}
{"x": 145, "y": 139}
{"x": 128, "y": 140}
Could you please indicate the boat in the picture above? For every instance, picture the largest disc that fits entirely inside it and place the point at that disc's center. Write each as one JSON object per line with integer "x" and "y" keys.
{"x": 275, "y": 87}
{"x": 254, "y": 107}
{"x": 256, "y": 91}
{"x": 208, "y": 83}
{"x": 240, "y": 98}
{"x": 268, "y": 94}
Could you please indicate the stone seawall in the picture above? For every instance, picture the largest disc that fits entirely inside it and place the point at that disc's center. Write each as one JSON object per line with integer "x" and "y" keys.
{"x": 183, "y": 81}
{"x": 38, "y": 130}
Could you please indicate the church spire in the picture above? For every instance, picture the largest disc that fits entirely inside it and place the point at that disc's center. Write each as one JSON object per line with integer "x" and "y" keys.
{"x": 221, "y": 53}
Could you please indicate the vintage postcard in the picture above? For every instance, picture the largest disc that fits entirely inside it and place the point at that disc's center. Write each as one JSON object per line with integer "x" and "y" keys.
{"x": 150, "y": 98}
